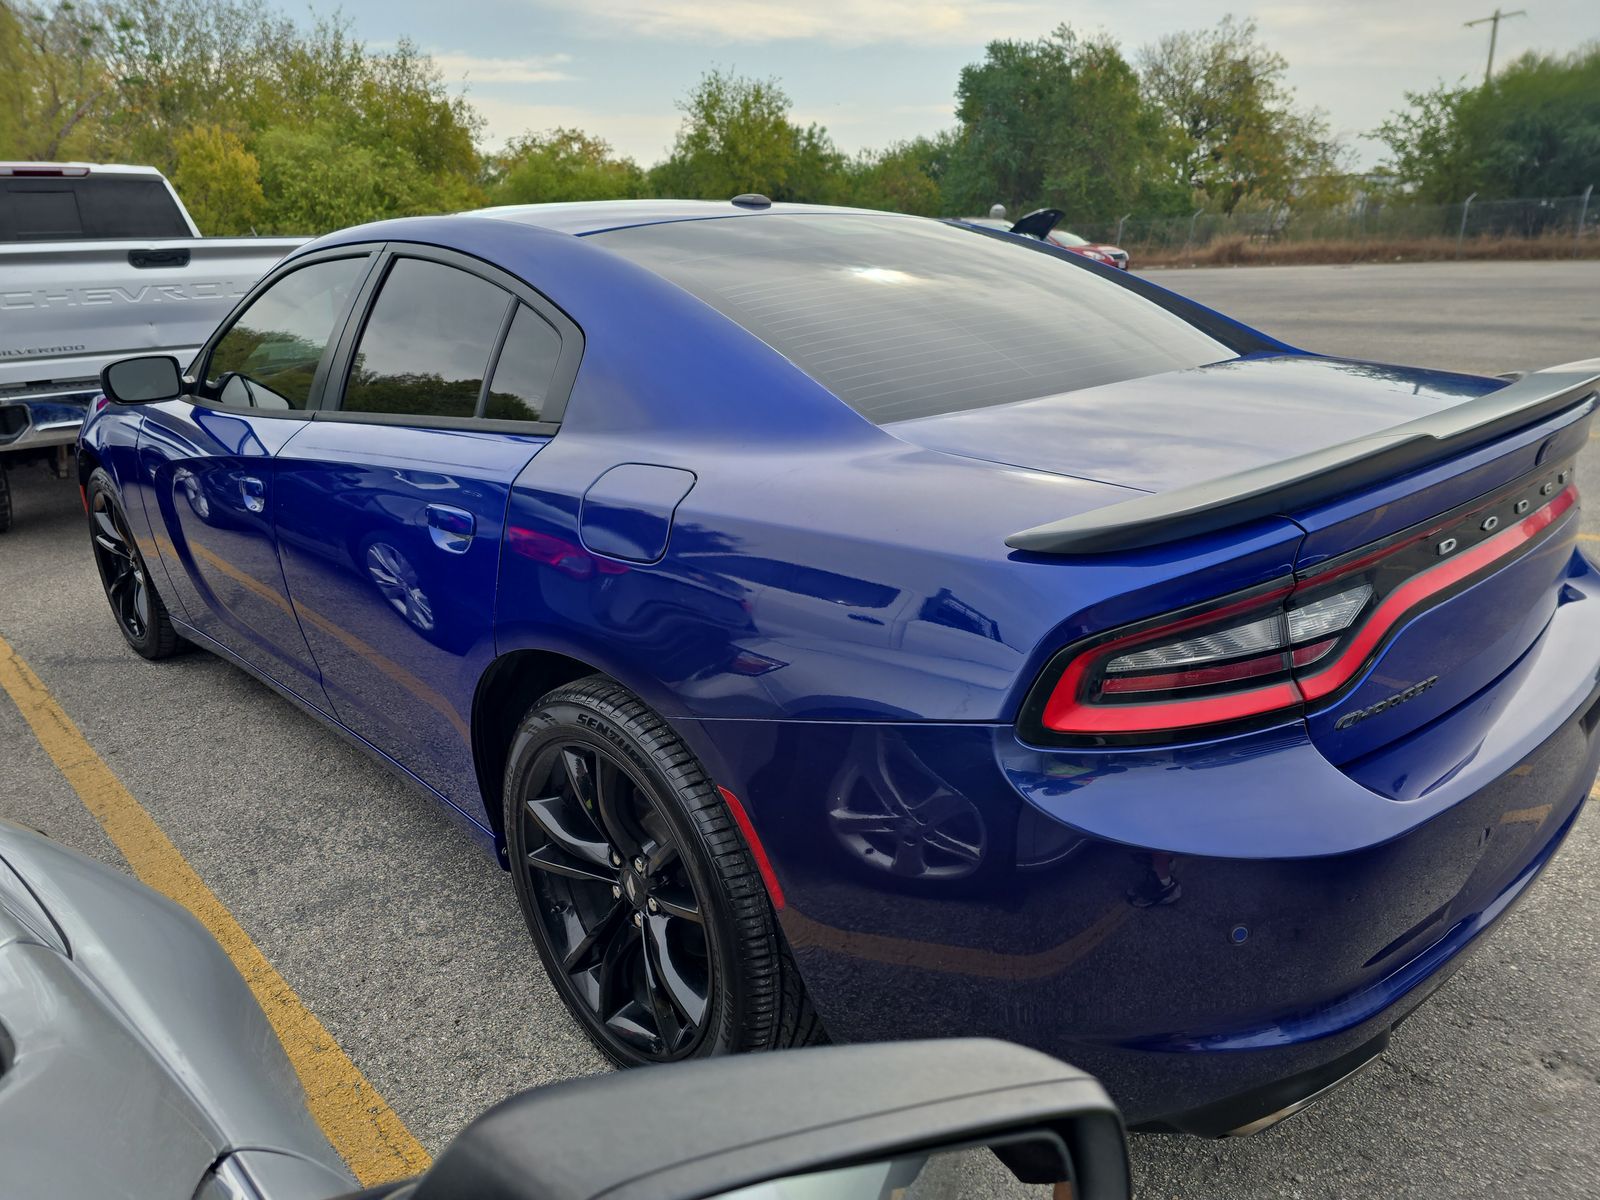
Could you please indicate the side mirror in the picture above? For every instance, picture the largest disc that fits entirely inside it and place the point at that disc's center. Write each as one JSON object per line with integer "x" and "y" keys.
{"x": 955, "y": 1118}
{"x": 142, "y": 380}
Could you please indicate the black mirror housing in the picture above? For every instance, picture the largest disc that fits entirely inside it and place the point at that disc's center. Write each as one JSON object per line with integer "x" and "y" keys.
{"x": 698, "y": 1129}
{"x": 142, "y": 380}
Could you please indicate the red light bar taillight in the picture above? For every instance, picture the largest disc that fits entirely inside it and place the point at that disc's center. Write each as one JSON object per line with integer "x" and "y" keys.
{"x": 1258, "y": 657}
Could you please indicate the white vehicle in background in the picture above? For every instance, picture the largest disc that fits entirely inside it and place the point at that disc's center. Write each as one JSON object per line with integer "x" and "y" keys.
{"x": 98, "y": 263}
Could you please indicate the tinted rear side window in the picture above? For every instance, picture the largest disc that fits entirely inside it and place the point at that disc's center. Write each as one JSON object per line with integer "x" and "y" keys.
{"x": 87, "y": 207}
{"x": 901, "y": 317}
{"x": 425, "y": 350}
{"x": 521, "y": 383}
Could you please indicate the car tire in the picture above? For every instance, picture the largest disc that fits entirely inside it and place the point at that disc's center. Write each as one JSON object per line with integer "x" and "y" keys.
{"x": 597, "y": 784}
{"x": 5, "y": 498}
{"x": 130, "y": 590}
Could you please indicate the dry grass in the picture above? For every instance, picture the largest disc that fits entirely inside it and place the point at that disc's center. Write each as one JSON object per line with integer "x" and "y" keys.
{"x": 1241, "y": 251}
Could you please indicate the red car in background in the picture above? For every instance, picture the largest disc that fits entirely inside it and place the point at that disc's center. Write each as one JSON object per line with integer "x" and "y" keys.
{"x": 1099, "y": 251}
{"x": 1041, "y": 225}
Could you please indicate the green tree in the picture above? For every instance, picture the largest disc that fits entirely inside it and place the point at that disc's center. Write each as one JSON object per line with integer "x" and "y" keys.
{"x": 307, "y": 194}
{"x": 561, "y": 164}
{"x": 1240, "y": 136}
{"x": 387, "y": 118}
{"x": 736, "y": 137}
{"x": 400, "y": 141}
{"x": 817, "y": 172}
{"x": 904, "y": 178}
{"x": 181, "y": 63}
{"x": 1534, "y": 130}
{"x": 219, "y": 180}
{"x": 1059, "y": 121}
{"x": 54, "y": 83}
{"x": 1427, "y": 155}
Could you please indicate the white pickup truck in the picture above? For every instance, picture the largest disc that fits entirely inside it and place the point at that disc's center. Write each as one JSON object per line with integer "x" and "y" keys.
{"x": 98, "y": 263}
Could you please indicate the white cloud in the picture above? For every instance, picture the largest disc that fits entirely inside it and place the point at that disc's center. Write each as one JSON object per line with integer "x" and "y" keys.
{"x": 645, "y": 137}
{"x": 973, "y": 22}
{"x": 830, "y": 118}
{"x": 476, "y": 69}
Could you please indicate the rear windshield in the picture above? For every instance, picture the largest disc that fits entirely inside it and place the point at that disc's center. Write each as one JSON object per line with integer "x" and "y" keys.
{"x": 79, "y": 207}
{"x": 902, "y": 317}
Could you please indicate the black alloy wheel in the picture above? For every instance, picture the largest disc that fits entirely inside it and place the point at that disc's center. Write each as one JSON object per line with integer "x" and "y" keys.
{"x": 622, "y": 913}
{"x": 140, "y": 613}
{"x": 643, "y": 902}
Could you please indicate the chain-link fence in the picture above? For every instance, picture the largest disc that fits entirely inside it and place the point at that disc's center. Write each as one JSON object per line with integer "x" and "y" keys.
{"x": 1577, "y": 218}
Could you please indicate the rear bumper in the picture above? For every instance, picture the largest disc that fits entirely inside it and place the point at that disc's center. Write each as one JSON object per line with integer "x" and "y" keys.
{"x": 1216, "y": 933}
{"x": 1298, "y": 1062}
{"x": 36, "y": 421}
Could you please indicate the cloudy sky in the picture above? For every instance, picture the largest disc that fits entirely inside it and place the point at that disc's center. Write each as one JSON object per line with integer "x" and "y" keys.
{"x": 875, "y": 71}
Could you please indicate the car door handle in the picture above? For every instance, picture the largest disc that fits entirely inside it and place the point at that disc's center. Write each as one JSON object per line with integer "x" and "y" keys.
{"x": 451, "y": 528}
{"x": 254, "y": 493}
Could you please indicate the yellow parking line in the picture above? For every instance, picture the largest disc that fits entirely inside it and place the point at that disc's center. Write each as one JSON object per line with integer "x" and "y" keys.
{"x": 1589, "y": 537}
{"x": 358, "y": 1121}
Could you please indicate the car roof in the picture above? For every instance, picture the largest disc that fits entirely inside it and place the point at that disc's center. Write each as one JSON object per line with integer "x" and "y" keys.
{"x": 595, "y": 216}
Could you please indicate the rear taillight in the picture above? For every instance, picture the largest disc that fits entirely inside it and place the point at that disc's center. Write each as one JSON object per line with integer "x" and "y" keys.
{"x": 1257, "y": 657}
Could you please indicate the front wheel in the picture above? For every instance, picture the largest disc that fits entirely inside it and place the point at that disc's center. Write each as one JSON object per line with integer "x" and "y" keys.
{"x": 139, "y": 610}
{"x": 642, "y": 898}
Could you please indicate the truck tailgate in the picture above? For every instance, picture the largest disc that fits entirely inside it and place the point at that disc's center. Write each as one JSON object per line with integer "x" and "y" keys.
{"x": 68, "y": 308}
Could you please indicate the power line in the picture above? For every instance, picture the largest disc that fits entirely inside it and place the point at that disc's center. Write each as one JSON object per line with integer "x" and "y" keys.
{"x": 1494, "y": 20}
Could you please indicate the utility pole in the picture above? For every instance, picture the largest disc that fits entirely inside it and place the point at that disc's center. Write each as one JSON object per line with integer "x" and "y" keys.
{"x": 1493, "y": 20}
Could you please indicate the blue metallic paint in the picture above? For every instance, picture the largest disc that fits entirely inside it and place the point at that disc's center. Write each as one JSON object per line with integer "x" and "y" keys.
{"x": 205, "y": 472}
{"x": 627, "y": 512}
{"x": 836, "y": 626}
{"x": 403, "y": 680}
{"x": 1158, "y": 433}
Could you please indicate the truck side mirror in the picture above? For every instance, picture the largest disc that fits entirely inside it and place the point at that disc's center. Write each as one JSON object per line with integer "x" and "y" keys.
{"x": 142, "y": 380}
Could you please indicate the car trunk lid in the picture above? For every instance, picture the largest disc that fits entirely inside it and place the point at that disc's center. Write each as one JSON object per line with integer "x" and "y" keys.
{"x": 1467, "y": 561}
{"x": 1180, "y": 428}
{"x": 1432, "y": 550}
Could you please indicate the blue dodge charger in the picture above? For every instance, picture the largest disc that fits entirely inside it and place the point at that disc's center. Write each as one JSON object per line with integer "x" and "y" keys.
{"x": 856, "y": 626}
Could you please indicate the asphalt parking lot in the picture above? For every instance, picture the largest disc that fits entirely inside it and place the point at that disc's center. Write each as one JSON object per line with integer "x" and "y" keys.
{"x": 405, "y": 941}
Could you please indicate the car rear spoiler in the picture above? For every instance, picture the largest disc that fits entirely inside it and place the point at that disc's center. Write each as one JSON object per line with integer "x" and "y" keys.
{"x": 1319, "y": 476}
{"x": 1039, "y": 223}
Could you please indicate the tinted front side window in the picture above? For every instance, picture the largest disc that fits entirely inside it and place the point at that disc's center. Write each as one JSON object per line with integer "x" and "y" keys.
{"x": 425, "y": 350}
{"x": 901, "y": 317}
{"x": 521, "y": 382}
{"x": 273, "y": 349}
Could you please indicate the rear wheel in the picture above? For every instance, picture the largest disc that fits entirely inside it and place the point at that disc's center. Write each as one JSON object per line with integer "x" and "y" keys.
{"x": 643, "y": 901}
{"x": 5, "y": 498}
{"x": 140, "y": 613}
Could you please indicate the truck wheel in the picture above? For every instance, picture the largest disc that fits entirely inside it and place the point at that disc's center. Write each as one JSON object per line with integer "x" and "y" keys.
{"x": 643, "y": 900}
{"x": 5, "y": 498}
{"x": 140, "y": 614}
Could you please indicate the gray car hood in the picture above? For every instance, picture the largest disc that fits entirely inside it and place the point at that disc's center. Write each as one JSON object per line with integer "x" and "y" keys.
{"x": 141, "y": 1059}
